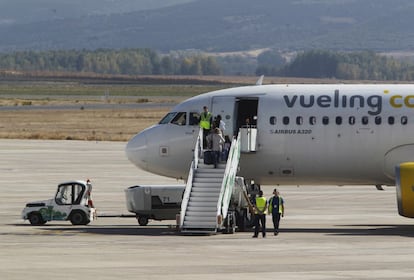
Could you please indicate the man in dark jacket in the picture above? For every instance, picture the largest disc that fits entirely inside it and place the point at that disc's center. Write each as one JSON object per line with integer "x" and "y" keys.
{"x": 277, "y": 208}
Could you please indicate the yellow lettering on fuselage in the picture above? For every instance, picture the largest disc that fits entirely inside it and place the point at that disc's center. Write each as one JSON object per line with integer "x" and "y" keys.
{"x": 393, "y": 102}
{"x": 407, "y": 101}
{"x": 397, "y": 101}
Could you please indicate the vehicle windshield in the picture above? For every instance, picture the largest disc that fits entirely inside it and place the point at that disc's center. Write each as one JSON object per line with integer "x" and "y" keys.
{"x": 69, "y": 194}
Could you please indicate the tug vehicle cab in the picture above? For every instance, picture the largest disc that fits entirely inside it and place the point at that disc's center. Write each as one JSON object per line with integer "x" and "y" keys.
{"x": 72, "y": 202}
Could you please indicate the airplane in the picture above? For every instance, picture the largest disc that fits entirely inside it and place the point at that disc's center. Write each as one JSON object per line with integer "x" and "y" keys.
{"x": 306, "y": 134}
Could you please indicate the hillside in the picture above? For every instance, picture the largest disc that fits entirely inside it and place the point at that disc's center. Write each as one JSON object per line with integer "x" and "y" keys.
{"x": 229, "y": 25}
{"x": 14, "y": 12}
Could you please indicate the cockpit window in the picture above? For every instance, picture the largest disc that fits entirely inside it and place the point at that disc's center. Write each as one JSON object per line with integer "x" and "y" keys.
{"x": 180, "y": 119}
{"x": 194, "y": 118}
{"x": 167, "y": 118}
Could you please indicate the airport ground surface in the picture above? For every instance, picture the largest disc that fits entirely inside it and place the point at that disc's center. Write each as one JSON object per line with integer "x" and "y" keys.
{"x": 328, "y": 232}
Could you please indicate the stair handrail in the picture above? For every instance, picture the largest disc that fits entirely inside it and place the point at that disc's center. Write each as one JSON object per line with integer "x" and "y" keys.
{"x": 229, "y": 178}
{"x": 194, "y": 165}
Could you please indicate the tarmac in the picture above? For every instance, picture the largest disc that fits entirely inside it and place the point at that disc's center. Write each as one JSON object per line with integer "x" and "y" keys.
{"x": 328, "y": 232}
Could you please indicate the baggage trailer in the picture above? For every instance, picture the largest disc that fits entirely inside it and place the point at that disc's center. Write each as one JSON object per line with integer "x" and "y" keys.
{"x": 157, "y": 202}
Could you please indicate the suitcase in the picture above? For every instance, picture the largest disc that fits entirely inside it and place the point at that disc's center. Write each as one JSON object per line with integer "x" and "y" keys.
{"x": 208, "y": 157}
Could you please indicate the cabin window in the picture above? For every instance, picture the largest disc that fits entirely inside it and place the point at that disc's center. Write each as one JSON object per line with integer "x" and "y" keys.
{"x": 299, "y": 120}
{"x": 180, "y": 119}
{"x": 312, "y": 120}
{"x": 194, "y": 118}
{"x": 378, "y": 120}
{"x": 404, "y": 120}
{"x": 69, "y": 194}
{"x": 167, "y": 118}
{"x": 365, "y": 120}
{"x": 286, "y": 120}
{"x": 391, "y": 120}
{"x": 338, "y": 120}
{"x": 351, "y": 120}
{"x": 272, "y": 120}
{"x": 325, "y": 120}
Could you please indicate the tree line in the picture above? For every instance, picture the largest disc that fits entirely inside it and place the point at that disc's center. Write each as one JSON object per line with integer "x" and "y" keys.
{"x": 365, "y": 65}
{"x": 106, "y": 61}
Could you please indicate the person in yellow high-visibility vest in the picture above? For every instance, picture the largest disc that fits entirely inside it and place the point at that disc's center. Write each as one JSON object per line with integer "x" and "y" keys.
{"x": 277, "y": 209}
{"x": 206, "y": 119}
{"x": 260, "y": 214}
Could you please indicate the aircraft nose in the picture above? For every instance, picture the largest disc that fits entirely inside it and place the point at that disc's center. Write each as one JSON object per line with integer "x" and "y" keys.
{"x": 136, "y": 150}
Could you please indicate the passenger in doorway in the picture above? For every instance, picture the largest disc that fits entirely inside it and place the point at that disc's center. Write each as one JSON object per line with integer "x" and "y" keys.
{"x": 277, "y": 209}
{"x": 247, "y": 123}
{"x": 260, "y": 207}
{"x": 217, "y": 142}
{"x": 206, "y": 119}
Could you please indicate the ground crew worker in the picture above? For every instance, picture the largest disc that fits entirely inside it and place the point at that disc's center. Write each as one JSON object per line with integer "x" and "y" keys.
{"x": 206, "y": 119}
{"x": 277, "y": 209}
{"x": 260, "y": 214}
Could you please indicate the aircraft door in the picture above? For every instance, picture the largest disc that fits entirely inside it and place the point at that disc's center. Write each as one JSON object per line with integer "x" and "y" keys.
{"x": 224, "y": 106}
{"x": 247, "y": 109}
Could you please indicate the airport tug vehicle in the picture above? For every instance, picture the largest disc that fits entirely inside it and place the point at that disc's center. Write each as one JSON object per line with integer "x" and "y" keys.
{"x": 72, "y": 202}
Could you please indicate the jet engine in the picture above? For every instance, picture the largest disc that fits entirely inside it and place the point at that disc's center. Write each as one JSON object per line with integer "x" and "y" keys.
{"x": 405, "y": 189}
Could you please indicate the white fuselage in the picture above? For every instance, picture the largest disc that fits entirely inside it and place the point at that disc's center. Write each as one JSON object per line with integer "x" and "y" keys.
{"x": 306, "y": 134}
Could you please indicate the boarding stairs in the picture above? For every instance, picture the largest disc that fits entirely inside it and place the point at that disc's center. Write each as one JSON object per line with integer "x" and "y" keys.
{"x": 208, "y": 191}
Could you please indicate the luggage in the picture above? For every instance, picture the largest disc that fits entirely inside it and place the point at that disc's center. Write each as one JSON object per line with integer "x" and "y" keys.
{"x": 208, "y": 157}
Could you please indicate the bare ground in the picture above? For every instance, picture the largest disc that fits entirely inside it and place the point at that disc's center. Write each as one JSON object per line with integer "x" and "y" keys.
{"x": 99, "y": 125}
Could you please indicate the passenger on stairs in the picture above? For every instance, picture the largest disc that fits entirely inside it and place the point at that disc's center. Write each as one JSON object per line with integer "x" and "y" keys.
{"x": 226, "y": 148}
{"x": 217, "y": 142}
{"x": 218, "y": 122}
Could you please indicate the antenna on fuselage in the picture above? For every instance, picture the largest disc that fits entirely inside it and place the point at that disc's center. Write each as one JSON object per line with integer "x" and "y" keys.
{"x": 260, "y": 81}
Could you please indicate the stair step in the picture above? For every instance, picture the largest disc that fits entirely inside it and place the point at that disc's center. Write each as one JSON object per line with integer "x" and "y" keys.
{"x": 209, "y": 175}
{"x": 203, "y": 219}
{"x": 209, "y": 189}
{"x": 211, "y": 166}
{"x": 212, "y": 180}
{"x": 201, "y": 209}
{"x": 191, "y": 231}
{"x": 207, "y": 185}
{"x": 207, "y": 171}
{"x": 203, "y": 204}
{"x": 204, "y": 185}
{"x": 203, "y": 199}
{"x": 205, "y": 195}
{"x": 204, "y": 213}
{"x": 197, "y": 224}
{"x": 206, "y": 192}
